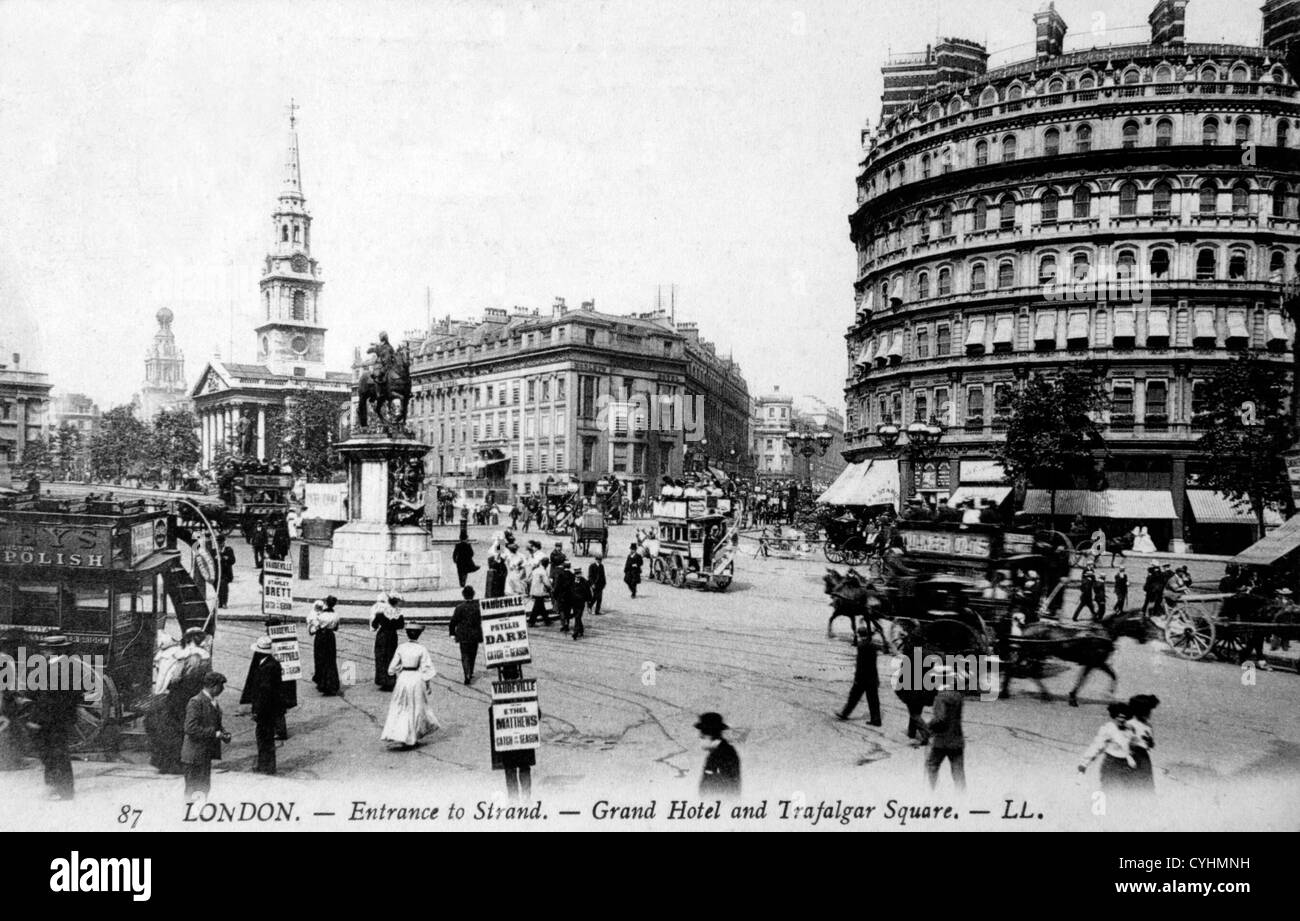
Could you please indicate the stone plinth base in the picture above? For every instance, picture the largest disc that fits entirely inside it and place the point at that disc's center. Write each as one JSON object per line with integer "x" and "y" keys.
{"x": 381, "y": 557}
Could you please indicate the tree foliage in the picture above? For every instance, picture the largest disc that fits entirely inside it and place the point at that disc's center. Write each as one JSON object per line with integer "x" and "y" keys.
{"x": 306, "y": 433}
{"x": 174, "y": 443}
{"x": 1250, "y": 426}
{"x": 120, "y": 446}
{"x": 1053, "y": 432}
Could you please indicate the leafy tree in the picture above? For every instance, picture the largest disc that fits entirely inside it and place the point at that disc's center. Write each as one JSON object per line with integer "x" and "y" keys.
{"x": 175, "y": 443}
{"x": 307, "y": 432}
{"x": 120, "y": 446}
{"x": 69, "y": 449}
{"x": 38, "y": 460}
{"x": 1250, "y": 426}
{"x": 1053, "y": 433}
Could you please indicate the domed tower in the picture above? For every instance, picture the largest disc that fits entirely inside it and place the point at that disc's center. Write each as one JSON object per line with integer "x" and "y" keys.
{"x": 291, "y": 338}
{"x": 164, "y": 371}
{"x": 1131, "y": 209}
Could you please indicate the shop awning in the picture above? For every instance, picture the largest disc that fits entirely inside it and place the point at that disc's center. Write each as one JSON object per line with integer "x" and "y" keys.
{"x": 1209, "y": 507}
{"x": 1002, "y": 332}
{"x": 1125, "y": 328}
{"x": 975, "y": 333}
{"x": 866, "y": 353}
{"x": 1205, "y": 325}
{"x": 864, "y": 483}
{"x": 1158, "y": 324}
{"x": 896, "y": 346}
{"x": 995, "y": 494}
{"x": 1045, "y": 327}
{"x": 982, "y": 471}
{"x": 1273, "y": 546}
{"x": 1078, "y": 328}
{"x": 1237, "y": 327}
{"x": 1276, "y": 328}
{"x": 1111, "y": 503}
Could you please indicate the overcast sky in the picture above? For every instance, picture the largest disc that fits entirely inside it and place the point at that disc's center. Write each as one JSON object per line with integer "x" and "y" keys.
{"x": 497, "y": 154}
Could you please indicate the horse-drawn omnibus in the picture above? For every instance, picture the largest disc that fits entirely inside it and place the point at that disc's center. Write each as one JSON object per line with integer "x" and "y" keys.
{"x": 253, "y": 492}
{"x": 99, "y": 573}
{"x": 694, "y": 541}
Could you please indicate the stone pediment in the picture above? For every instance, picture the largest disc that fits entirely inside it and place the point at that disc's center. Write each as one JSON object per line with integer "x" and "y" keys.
{"x": 210, "y": 381}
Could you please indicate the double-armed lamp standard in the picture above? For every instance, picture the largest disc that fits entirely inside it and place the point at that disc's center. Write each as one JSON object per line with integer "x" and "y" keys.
{"x": 920, "y": 434}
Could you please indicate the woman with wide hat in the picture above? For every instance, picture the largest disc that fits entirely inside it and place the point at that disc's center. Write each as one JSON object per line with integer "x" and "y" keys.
{"x": 323, "y": 624}
{"x": 410, "y": 714}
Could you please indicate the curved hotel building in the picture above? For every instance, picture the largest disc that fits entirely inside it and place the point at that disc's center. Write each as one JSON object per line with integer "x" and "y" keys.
{"x": 1133, "y": 207}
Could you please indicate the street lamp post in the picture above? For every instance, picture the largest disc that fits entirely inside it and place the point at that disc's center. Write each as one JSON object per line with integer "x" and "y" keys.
{"x": 922, "y": 439}
{"x": 809, "y": 445}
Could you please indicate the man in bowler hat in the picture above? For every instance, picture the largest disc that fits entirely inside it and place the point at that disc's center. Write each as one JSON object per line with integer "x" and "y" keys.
{"x": 722, "y": 766}
{"x": 204, "y": 735}
{"x": 865, "y": 678}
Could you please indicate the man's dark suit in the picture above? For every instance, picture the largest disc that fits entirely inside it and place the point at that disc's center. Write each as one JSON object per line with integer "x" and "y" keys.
{"x": 865, "y": 681}
{"x": 596, "y": 581}
{"x": 721, "y": 772}
{"x": 202, "y": 743}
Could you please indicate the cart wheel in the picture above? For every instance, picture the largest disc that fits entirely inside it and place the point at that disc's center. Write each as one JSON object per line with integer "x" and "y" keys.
{"x": 1191, "y": 636}
{"x": 721, "y": 583}
{"x": 679, "y": 576}
{"x": 658, "y": 570}
{"x": 833, "y": 553}
{"x": 1230, "y": 647}
{"x": 96, "y": 720}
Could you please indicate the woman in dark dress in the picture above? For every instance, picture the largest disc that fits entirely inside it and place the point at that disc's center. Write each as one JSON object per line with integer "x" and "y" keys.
{"x": 496, "y": 573}
{"x": 323, "y": 624}
{"x": 386, "y": 620}
{"x": 1143, "y": 779}
{"x": 195, "y": 665}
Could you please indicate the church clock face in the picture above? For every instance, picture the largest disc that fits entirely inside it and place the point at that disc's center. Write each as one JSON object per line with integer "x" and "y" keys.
{"x": 299, "y": 263}
{"x": 299, "y": 344}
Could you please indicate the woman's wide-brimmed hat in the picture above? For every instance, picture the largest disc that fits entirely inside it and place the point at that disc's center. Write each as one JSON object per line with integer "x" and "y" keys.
{"x": 414, "y": 630}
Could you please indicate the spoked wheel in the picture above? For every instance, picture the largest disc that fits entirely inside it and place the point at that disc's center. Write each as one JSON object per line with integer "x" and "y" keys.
{"x": 93, "y": 727}
{"x": 1230, "y": 647}
{"x": 833, "y": 552}
{"x": 721, "y": 581}
{"x": 658, "y": 570}
{"x": 1190, "y": 635}
{"x": 679, "y": 577}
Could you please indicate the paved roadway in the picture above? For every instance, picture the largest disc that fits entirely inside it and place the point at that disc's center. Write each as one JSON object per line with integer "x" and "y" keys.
{"x": 619, "y": 706}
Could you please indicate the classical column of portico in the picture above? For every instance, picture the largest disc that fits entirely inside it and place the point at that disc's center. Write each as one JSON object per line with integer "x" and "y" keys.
{"x": 261, "y": 432}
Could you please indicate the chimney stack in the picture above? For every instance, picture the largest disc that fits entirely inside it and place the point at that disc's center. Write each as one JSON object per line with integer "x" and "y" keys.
{"x": 1168, "y": 22}
{"x": 1049, "y": 30}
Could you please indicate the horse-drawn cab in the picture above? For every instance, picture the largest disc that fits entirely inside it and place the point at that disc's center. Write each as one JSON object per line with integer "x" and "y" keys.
{"x": 845, "y": 542}
{"x": 590, "y": 528}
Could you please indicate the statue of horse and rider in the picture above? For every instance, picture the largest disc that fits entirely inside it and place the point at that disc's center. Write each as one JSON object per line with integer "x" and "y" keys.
{"x": 388, "y": 381}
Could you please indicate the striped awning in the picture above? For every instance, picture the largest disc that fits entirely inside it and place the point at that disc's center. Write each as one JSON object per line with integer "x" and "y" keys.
{"x": 975, "y": 333}
{"x": 1110, "y": 503}
{"x": 866, "y": 483}
{"x": 1158, "y": 324}
{"x": 1209, "y": 507}
{"x": 1205, "y": 325}
{"x": 1045, "y": 326}
{"x": 995, "y": 494}
{"x": 1002, "y": 330}
{"x": 896, "y": 346}
{"x": 1274, "y": 545}
{"x": 1077, "y": 331}
{"x": 867, "y": 351}
{"x": 1237, "y": 326}
{"x": 1276, "y": 328}
{"x": 1124, "y": 325}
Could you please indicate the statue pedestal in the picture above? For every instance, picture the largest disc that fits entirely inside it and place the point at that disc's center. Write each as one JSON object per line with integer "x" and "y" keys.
{"x": 374, "y": 550}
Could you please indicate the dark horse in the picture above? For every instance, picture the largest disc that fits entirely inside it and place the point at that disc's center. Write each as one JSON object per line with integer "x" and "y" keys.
{"x": 381, "y": 387}
{"x": 852, "y": 596}
{"x": 1090, "y": 647}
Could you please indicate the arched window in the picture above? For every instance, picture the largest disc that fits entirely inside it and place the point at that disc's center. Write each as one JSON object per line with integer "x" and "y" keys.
{"x": 1237, "y": 265}
{"x": 1239, "y": 74}
{"x": 1131, "y": 76}
{"x": 923, "y": 227}
{"x": 268, "y": 305}
{"x": 1240, "y": 199}
{"x": 1242, "y": 130}
{"x": 1080, "y": 266}
{"x": 1015, "y": 92}
{"x": 1206, "y": 265}
{"x": 1008, "y": 215}
{"x": 925, "y": 166}
{"x": 284, "y": 234}
{"x": 1281, "y": 194}
{"x": 1164, "y": 74}
{"x": 1083, "y": 139}
{"x": 1128, "y": 199}
{"x": 1087, "y": 81}
{"x": 945, "y": 222}
{"x": 1164, "y": 132}
{"x": 1283, "y": 133}
{"x": 1006, "y": 274}
{"x": 922, "y": 285}
{"x": 989, "y": 96}
{"x": 1047, "y": 269}
{"x": 954, "y": 105}
{"x": 1130, "y": 134}
{"x": 981, "y": 153}
{"x": 1056, "y": 85}
{"x": 1051, "y": 206}
{"x": 1276, "y": 265}
{"x": 981, "y": 214}
{"x": 1210, "y": 131}
{"x": 299, "y": 305}
{"x": 945, "y": 282}
{"x": 1209, "y": 73}
{"x": 1161, "y": 198}
{"x": 1126, "y": 264}
{"x": 1051, "y": 142}
{"x": 1008, "y": 148}
{"x": 1209, "y": 198}
{"x": 1159, "y": 263}
{"x": 296, "y": 230}
{"x": 978, "y": 281}
{"x": 1082, "y": 202}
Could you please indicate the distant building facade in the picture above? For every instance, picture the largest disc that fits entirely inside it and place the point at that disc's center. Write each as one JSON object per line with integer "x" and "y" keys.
{"x": 24, "y": 408}
{"x": 530, "y": 402}
{"x": 775, "y": 415}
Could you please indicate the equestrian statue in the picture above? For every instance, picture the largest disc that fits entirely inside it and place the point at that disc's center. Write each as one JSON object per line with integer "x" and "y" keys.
{"x": 387, "y": 382}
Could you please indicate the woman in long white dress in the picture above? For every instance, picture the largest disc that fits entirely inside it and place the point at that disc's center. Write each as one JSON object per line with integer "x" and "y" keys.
{"x": 516, "y": 566}
{"x": 410, "y": 715}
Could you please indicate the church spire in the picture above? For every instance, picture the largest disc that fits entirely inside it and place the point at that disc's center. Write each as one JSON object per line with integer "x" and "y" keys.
{"x": 292, "y": 167}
